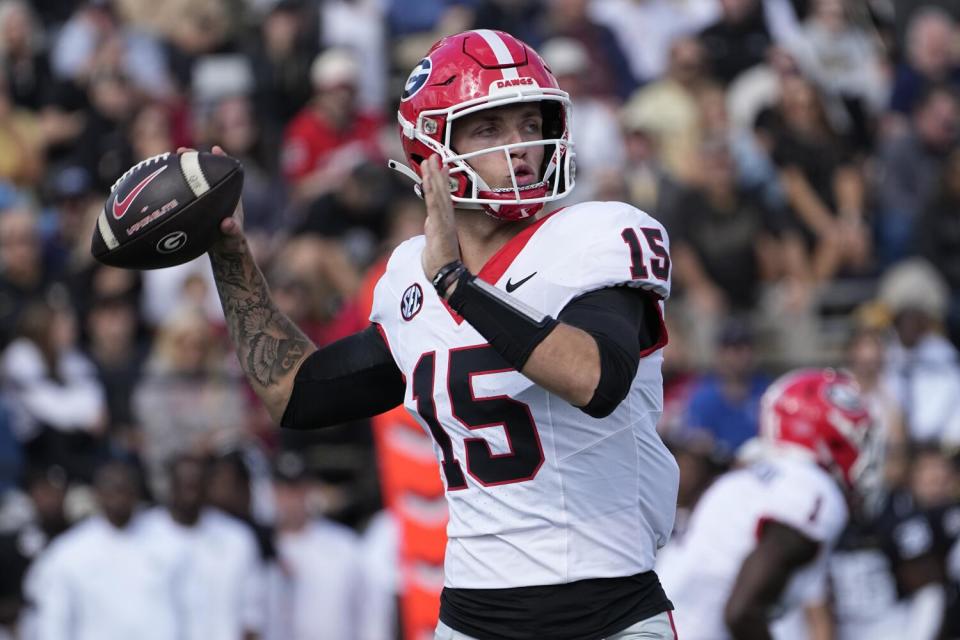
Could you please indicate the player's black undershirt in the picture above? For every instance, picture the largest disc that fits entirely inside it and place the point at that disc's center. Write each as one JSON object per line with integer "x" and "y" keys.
{"x": 349, "y": 379}
{"x": 582, "y": 610}
{"x": 356, "y": 377}
{"x": 625, "y": 323}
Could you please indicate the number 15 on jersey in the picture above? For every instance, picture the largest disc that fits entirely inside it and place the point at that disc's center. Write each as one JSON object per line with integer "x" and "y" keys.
{"x": 525, "y": 457}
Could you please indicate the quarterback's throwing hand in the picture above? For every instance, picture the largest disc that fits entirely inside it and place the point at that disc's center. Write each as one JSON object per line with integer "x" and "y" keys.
{"x": 439, "y": 228}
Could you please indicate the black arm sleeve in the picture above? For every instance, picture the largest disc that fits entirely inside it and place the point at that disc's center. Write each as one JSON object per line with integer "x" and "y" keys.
{"x": 352, "y": 378}
{"x": 625, "y": 322}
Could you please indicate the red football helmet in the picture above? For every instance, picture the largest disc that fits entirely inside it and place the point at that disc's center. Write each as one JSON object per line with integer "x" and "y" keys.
{"x": 476, "y": 70}
{"x": 819, "y": 414}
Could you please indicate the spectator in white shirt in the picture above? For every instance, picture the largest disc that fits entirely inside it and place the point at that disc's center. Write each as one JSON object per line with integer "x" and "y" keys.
{"x": 379, "y": 557}
{"x": 219, "y": 577}
{"x": 107, "y": 578}
{"x": 596, "y": 127}
{"x": 317, "y": 595}
{"x": 922, "y": 366}
{"x": 646, "y": 29}
{"x": 56, "y": 389}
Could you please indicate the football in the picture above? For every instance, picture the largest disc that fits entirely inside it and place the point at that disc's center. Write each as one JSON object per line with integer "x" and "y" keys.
{"x": 166, "y": 210}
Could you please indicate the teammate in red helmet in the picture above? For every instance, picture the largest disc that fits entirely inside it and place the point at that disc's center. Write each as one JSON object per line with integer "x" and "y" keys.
{"x": 758, "y": 539}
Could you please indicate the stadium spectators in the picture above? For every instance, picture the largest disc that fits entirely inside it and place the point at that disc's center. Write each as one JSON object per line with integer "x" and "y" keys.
{"x": 609, "y": 73}
{"x": 233, "y": 125}
{"x": 646, "y": 30}
{"x": 119, "y": 357}
{"x": 822, "y": 181}
{"x": 726, "y": 245}
{"x": 187, "y": 401}
{"x": 330, "y": 137}
{"x": 319, "y": 592}
{"x": 95, "y": 40}
{"x": 909, "y": 165}
{"x": 108, "y": 577}
{"x": 668, "y": 106}
{"x": 728, "y": 112}
{"x": 57, "y": 388}
{"x": 11, "y": 452}
{"x": 596, "y": 122}
{"x": 725, "y": 406}
{"x": 737, "y": 40}
{"x": 922, "y": 368}
{"x": 930, "y": 58}
{"x": 866, "y": 359}
{"x": 25, "y": 62}
{"x": 844, "y": 61}
{"x": 219, "y": 580}
{"x": 21, "y": 141}
{"x": 938, "y": 236}
{"x": 23, "y": 274}
{"x": 281, "y": 55}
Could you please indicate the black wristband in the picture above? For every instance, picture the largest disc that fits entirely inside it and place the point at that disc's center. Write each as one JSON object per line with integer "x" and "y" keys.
{"x": 446, "y": 276}
{"x": 512, "y": 328}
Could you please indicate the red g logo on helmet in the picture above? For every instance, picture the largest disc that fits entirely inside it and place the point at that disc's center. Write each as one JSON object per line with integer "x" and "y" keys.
{"x": 468, "y": 72}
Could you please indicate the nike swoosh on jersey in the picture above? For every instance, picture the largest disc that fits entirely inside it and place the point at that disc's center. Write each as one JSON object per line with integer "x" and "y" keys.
{"x": 513, "y": 286}
{"x": 120, "y": 206}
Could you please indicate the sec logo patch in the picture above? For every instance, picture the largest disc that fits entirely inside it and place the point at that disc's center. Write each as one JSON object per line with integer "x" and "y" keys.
{"x": 411, "y": 302}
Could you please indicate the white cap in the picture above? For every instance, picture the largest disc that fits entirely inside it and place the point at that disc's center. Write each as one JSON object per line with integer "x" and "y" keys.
{"x": 915, "y": 285}
{"x": 334, "y": 67}
{"x": 565, "y": 56}
{"x": 216, "y": 76}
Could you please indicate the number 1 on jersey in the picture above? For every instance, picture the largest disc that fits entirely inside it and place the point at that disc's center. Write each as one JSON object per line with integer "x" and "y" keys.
{"x": 423, "y": 375}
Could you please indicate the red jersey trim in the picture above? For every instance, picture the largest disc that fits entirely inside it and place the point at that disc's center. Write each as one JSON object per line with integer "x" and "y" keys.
{"x": 499, "y": 262}
{"x": 761, "y": 523}
{"x": 662, "y": 337}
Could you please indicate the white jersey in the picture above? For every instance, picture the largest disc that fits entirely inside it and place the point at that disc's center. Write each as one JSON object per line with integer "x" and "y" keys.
{"x": 539, "y": 492}
{"x": 319, "y": 592}
{"x": 97, "y": 582}
{"x": 723, "y": 531}
{"x": 219, "y": 579}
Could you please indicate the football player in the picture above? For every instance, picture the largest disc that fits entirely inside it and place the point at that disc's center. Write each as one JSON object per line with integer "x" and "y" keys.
{"x": 527, "y": 344}
{"x": 887, "y": 574}
{"x": 758, "y": 539}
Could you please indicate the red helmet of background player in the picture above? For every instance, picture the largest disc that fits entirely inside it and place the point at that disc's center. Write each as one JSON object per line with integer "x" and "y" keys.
{"x": 819, "y": 413}
{"x": 469, "y": 72}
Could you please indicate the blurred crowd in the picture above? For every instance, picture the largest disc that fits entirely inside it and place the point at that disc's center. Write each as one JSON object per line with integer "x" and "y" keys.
{"x": 802, "y": 154}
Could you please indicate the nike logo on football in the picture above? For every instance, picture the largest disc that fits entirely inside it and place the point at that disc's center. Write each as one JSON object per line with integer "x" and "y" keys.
{"x": 513, "y": 286}
{"x": 120, "y": 206}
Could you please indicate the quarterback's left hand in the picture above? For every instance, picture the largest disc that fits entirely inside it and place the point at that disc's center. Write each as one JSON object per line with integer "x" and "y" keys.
{"x": 440, "y": 227}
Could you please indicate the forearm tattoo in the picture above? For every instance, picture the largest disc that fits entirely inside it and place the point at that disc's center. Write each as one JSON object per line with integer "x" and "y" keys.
{"x": 269, "y": 344}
